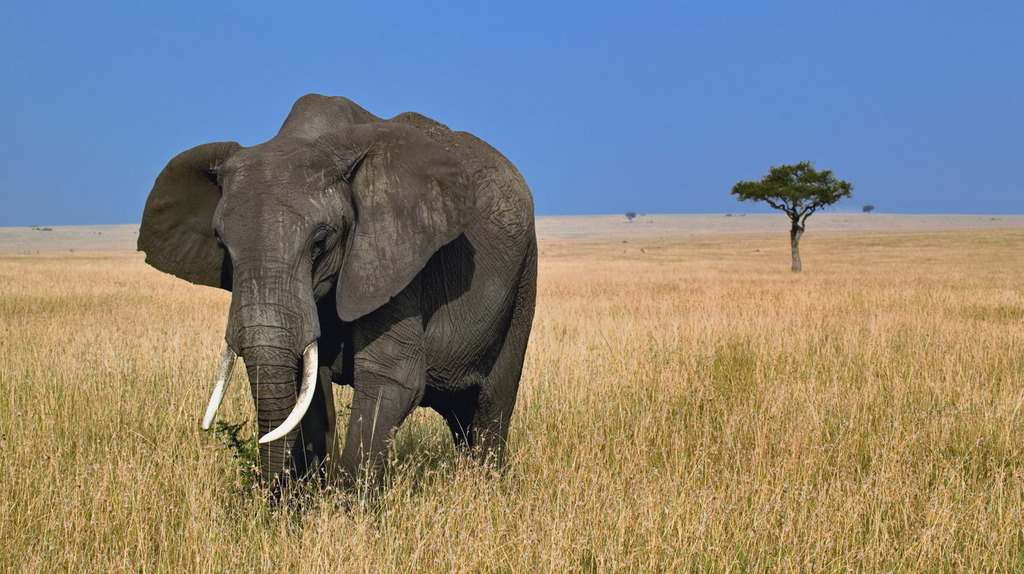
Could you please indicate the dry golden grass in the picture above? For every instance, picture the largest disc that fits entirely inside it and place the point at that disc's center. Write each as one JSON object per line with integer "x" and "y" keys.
{"x": 688, "y": 404}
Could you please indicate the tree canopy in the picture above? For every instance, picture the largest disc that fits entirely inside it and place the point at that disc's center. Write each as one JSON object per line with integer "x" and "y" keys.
{"x": 799, "y": 189}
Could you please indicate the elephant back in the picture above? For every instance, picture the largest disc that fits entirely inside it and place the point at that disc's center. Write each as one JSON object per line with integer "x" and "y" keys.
{"x": 501, "y": 193}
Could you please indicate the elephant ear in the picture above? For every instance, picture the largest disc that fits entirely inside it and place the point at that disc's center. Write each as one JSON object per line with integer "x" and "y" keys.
{"x": 177, "y": 223}
{"x": 410, "y": 197}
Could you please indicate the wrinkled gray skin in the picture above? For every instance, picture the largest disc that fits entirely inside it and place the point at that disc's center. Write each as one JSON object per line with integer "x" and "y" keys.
{"x": 407, "y": 250}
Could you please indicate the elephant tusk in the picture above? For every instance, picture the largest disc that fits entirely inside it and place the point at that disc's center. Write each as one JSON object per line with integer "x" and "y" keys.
{"x": 310, "y": 366}
{"x": 227, "y": 364}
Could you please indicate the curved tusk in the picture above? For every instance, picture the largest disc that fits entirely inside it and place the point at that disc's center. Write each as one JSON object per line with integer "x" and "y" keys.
{"x": 310, "y": 366}
{"x": 227, "y": 364}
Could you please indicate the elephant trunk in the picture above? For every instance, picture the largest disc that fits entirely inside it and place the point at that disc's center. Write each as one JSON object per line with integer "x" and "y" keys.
{"x": 310, "y": 364}
{"x": 273, "y": 380}
{"x": 273, "y": 326}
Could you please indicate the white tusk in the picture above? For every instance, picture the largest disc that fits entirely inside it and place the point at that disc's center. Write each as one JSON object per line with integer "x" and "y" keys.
{"x": 310, "y": 366}
{"x": 227, "y": 364}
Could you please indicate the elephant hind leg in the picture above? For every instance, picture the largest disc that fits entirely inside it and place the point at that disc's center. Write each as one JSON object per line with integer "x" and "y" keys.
{"x": 498, "y": 393}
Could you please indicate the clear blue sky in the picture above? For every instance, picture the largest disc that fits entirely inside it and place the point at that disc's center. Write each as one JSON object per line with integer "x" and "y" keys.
{"x": 655, "y": 107}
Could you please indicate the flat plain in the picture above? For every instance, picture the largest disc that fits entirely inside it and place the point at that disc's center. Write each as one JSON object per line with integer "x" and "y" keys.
{"x": 688, "y": 404}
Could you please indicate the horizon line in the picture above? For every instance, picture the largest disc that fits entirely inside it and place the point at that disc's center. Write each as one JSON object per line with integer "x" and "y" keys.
{"x": 721, "y": 213}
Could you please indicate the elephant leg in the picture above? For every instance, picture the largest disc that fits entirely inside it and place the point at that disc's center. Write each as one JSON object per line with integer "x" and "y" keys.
{"x": 493, "y": 415}
{"x": 317, "y": 430}
{"x": 458, "y": 408}
{"x": 388, "y": 383}
{"x": 497, "y": 397}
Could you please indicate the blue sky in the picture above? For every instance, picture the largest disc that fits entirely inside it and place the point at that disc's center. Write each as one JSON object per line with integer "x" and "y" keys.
{"x": 606, "y": 107}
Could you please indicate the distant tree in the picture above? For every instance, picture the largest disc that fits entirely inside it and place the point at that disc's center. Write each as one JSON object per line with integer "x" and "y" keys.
{"x": 630, "y": 215}
{"x": 799, "y": 190}
{"x": 868, "y": 208}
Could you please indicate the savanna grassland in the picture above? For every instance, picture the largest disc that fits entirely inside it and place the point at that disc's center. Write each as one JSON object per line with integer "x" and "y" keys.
{"x": 688, "y": 404}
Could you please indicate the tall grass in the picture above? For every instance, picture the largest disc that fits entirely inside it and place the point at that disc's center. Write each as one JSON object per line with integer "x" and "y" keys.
{"x": 688, "y": 404}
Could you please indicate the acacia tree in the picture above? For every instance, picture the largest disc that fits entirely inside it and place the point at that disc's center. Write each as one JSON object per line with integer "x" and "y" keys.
{"x": 799, "y": 190}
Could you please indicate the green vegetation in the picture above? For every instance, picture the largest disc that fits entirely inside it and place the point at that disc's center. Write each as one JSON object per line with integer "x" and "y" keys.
{"x": 245, "y": 450}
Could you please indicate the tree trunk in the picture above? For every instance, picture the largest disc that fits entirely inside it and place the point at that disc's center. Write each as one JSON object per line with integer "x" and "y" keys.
{"x": 794, "y": 242}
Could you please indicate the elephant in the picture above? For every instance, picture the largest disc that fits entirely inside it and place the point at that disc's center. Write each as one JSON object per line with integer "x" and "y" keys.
{"x": 395, "y": 256}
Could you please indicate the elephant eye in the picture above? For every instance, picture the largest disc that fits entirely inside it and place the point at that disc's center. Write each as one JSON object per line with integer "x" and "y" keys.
{"x": 319, "y": 244}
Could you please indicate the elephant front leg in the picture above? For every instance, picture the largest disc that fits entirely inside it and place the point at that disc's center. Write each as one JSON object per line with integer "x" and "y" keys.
{"x": 378, "y": 408}
{"x": 317, "y": 430}
{"x": 389, "y": 380}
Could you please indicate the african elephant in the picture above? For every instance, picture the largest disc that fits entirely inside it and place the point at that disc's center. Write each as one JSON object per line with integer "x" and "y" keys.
{"x": 395, "y": 256}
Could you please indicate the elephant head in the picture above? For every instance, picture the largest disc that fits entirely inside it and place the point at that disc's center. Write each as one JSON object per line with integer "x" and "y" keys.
{"x": 339, "y": 203}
